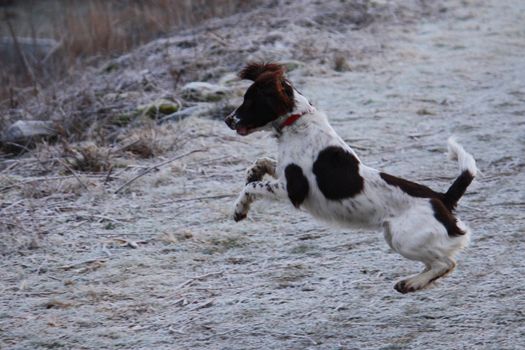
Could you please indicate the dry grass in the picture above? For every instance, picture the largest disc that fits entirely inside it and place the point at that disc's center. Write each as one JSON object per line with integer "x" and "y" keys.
{"x": 88, "y": 30}
{"x": 87, "y": 157}
{"x": 108, "y": 27}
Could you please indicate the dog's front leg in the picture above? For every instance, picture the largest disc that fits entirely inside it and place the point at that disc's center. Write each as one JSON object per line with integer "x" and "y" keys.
{"x": 259, "y": 168}
{"x": 275, "y": 190}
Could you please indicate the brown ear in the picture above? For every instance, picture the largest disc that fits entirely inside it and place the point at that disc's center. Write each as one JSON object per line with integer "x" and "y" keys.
{"x": 253, "y": 70}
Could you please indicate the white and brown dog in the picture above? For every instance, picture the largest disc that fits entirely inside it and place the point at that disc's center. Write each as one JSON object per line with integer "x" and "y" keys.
{"x": 318, "y": 171}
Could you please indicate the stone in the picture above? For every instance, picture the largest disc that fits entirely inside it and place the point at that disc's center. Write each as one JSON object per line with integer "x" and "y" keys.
{"x": 26, "y": 131}
{"x": 291, "y": 65}
{"x": 199, "y": 110}
{"x": 204, "y": 92}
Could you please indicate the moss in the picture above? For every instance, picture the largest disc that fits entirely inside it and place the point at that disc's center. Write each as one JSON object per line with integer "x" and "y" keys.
{"x": 151, "y": 111}
{"x": 168, "y": 108}
{"x": 110, "y": 67}
{"x": 213, "y": 97}
{"x": 122, "y": 119}
{"x": 159, "y": 108}
{"x": 109, "y": 226}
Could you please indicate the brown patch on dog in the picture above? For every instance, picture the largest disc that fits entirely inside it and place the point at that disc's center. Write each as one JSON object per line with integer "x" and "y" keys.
{"x": 296, "y": 184}
{"x": 411, "y": 188}
{"x": 457, "y": 189}
{"x": 446, "y": 218}
{"x": 337, "y": 173}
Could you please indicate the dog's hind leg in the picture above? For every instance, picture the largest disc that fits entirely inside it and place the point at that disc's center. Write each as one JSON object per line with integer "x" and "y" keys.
{"x": 259, "y": 168}
{"x": 438, "y": 268}
{"x": 417, "y": 235}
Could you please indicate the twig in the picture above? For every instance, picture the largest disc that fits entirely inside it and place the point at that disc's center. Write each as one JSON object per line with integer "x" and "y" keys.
{"x": 147, "y": 170}
{"x": 15, "y": 163}
{"x": 111, "y": 234}
{"x": 106, "y": 250}
{"x": 68, "y": 267}
{"x": 126, "y": 146}
{"x": 11, "y": 205}
{"x": 74, "y": 174}
{"x": 203, "y": 305}
{"x": 197, "y": 278}
{"x": 219, "y": 196}
{"x": 299, "y": 336}
{"x": 20, "y": 52}
{"x": 218, "y": 38}
{"x": 102, "y": 217}
{"x": 52, "y": 51}
{"x": 37, "y": 179}
{"x": 108, "y": 176}
{"x": 478, "y": 209}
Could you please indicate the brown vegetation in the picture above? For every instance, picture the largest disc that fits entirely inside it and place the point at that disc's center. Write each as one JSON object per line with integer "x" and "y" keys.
{"x": 86, "y": 31}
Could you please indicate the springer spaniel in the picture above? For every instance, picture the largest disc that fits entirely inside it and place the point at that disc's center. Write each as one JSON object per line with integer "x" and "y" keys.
{"x": 319, "y": 172}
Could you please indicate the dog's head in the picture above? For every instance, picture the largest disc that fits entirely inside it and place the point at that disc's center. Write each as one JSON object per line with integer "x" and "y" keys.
{"x": 268, "y": 98}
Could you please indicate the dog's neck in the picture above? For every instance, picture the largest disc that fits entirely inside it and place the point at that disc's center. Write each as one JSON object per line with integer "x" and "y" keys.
{"x": 302, "y": 107}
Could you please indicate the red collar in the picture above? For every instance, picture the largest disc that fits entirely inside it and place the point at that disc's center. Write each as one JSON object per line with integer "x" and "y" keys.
{"x": 291, "y": 119}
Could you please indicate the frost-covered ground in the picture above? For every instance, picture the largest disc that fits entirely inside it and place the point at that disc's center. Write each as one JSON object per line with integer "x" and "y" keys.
{"x": 161, "y": 265}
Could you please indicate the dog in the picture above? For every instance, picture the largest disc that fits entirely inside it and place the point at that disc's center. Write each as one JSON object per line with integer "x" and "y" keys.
{"x": 319, "y": 172}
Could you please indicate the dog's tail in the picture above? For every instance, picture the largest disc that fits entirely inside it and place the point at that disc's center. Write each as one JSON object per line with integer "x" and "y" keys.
{"x": 467, "y": 166}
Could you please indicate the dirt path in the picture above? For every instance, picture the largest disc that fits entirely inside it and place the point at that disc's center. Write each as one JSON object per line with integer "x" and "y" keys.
{"x": 163, "y": 266}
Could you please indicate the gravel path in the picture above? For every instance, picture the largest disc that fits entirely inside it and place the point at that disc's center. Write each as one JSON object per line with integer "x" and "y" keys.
{"x": 164, "y": 267}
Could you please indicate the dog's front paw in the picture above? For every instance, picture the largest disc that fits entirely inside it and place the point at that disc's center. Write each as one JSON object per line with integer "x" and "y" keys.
{"x": 242, "y": 206}
{"x": 239, "y": 216}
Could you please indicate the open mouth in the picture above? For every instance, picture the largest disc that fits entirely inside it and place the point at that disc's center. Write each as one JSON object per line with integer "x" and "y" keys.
{"x": 243, "y": 131}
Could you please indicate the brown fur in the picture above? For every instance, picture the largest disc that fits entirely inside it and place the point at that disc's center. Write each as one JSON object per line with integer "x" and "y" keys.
{"x": 253, "y": 70}
{"x": 445, "y": 216}
{"x": 411, "y": 188}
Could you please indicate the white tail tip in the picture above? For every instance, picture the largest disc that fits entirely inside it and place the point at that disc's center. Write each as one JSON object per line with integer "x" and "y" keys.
{"x": 465, "y": 160}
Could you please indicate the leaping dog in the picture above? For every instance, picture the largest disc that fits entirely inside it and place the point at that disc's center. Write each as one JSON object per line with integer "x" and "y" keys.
{"x": 318, "y": 171}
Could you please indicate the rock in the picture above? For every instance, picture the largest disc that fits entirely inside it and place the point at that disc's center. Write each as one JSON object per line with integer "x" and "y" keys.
{"x": 26, "y": 131}
{"x": 204, "y": 92}
{"x": 236, "y": 86}
{"x": 199, "y": 110}
{"x": 291, "y": 65}
{"x": 34, "y": 49}
{"x": 229, "y": 78}
{"x": 205, "y": 109}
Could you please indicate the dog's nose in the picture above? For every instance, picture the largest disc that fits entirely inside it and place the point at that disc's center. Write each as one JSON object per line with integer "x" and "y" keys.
{"x": 230, "y": 120}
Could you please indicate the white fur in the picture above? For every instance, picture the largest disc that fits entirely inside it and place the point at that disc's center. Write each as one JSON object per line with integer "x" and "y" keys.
{"x": 409, "y": 225}
{"x": 465, "y": 160}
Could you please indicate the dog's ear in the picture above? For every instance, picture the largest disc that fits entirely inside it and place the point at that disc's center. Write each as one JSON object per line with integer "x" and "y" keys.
{"x": 253, "y": 70}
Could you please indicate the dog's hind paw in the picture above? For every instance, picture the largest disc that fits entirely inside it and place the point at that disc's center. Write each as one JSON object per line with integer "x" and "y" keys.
{"x": 404, "y": 287}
